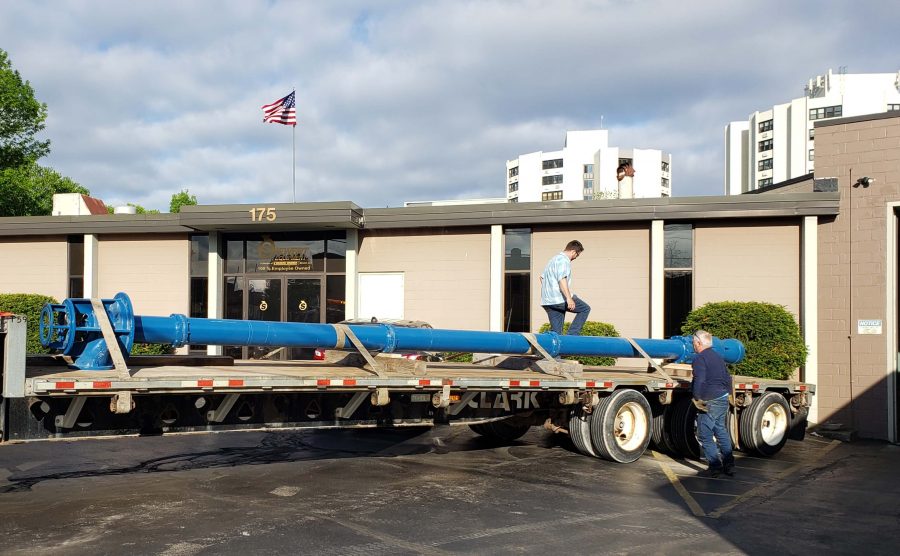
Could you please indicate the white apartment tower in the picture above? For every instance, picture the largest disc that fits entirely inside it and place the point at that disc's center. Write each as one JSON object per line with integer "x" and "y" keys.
{"x": 585, "y": 169}
{"x": 778, "y": 144}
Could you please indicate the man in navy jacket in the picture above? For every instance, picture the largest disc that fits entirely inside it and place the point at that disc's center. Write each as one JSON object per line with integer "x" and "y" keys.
{"x": 711, "y": 386}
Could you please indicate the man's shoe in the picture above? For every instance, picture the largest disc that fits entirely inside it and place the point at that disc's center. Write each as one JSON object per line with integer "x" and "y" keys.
{"x": 710, "y": 473}
{"x": 729, "y": 470}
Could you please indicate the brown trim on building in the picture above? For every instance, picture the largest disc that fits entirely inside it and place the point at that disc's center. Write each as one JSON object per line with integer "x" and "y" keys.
{"x": 347, "y": 215}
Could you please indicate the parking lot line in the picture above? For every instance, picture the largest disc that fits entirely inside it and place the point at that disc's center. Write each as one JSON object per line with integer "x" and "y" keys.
{"x": 679, "y": 488}
{"x": 757, "y": 490}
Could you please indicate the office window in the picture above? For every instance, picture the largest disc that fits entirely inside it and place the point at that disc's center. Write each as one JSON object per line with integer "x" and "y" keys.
{"x": 514, "y": 171}
{"x": 812, "y": 155}
{"x": 517, "y": 280}
{"x": 588, "y": 168}
{"x": 825, "y": 112}
{"x": 764, "y": 182}
{"x": 551, "y": 196}
{"x": 552, "y": 180}
{"x": 551, "y": 164}
{"x": 513, "y": 187}
{"x": 588, "y": 191}
{"x": 514, "y": 200}
{"x": 678, "y": 265}
{"x": 765, "y": 126}
{"x": 76, "y": 266}
{"x": 765, "y": 145}
{"x": 665, "y": 182}
{"x": 665, "y": 166}
{"x": 199, "y": 269}
{"x": 812, "y": 133}
{"x": 893, "y": 107}
{"x": 764, "y": 165}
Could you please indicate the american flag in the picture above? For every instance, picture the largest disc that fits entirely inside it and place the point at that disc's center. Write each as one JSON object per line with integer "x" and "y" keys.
{"x": 281, "y": 111}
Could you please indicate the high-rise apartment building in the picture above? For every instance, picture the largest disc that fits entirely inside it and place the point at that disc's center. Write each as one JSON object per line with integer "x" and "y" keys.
{"x": 588, "y": 168}
{"x": 778, "y": 144}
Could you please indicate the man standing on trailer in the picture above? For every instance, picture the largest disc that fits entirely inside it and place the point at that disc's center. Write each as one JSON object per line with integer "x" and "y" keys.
{"x": 711, "y": 386}
{"x": 556, "y": 291}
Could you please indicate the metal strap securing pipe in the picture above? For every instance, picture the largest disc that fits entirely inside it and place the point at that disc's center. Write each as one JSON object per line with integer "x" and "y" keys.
{"x": 70, "y": 327}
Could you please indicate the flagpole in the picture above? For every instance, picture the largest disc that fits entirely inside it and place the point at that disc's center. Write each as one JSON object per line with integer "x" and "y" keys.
{"x": 294, "y": 161}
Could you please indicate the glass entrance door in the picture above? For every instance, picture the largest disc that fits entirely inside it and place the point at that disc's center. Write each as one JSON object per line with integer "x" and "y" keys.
{"x": 264, "y": 297}
{"x": 303, "y": 301}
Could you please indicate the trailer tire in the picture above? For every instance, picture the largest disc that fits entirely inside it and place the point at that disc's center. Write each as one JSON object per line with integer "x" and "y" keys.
{"x": 799, "y": 423}
{"x": 506, "y": 430}
{"x": 660, "y": 437}
{"x": 683, "y": 429}
{"x": 620, "y": 426}
{"x": 765, "y": 424}
{"x": 580, "y": 431}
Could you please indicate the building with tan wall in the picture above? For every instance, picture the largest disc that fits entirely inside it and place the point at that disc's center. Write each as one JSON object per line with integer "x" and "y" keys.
{"x": 647, "y": 263}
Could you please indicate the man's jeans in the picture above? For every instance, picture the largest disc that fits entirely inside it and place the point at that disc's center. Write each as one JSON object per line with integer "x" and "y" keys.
{"x": 714, "y": 423}
{"x": 557, "y": 315}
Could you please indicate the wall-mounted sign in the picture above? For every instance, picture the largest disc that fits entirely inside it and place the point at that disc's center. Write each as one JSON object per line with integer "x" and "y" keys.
{"x": 868, "y": 326}
{"x": 273, "y": 258}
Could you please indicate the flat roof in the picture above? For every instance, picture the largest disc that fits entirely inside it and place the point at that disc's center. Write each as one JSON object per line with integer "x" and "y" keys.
{"x": 347, "y": 215}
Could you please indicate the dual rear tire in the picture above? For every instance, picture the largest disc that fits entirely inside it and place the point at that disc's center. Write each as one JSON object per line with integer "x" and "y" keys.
{"x": 618, "y": 429}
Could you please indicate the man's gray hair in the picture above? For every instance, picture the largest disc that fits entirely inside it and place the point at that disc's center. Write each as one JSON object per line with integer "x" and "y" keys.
{"x": 704, "y": 337}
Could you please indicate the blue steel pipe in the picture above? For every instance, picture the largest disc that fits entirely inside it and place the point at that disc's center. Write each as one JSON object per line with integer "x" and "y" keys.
{"x": 86, "y": 344}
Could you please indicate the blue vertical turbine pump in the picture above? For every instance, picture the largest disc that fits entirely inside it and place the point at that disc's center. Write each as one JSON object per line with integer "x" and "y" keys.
{"x": 73, "y": 328}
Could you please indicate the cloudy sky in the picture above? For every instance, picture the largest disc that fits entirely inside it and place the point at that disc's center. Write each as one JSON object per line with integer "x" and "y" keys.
{"x": 410, "y": 100}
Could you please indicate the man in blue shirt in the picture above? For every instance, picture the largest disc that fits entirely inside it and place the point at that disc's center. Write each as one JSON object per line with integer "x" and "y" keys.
{"x": 711, "y": 386}
{"x": 556, "y": 291}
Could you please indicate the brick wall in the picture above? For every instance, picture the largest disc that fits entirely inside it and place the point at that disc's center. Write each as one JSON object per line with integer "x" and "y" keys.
{"x": 853, "y": 272}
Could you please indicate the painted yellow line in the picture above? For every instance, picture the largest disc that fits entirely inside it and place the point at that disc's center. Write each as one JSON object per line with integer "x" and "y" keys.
{"x": 679, "y": 488}
{"x": 757, "y": 490}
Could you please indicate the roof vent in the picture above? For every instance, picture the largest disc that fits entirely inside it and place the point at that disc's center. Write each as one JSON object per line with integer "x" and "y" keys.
{"x": 128, "y": 209}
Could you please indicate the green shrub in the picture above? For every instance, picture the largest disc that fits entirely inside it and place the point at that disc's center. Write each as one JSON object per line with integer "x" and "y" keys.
{"x": 769, "y": 332}
{"x": 462, "y": 357}
{"x": 591, "y": 328}
{"x": 28, "y": 305}
{"x": 152, "y": 349}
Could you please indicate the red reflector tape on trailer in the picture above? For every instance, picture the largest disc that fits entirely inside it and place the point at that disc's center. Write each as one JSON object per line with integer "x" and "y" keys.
{"x": 802, "y": 387}
{"x": 741, "y": 386}
{"x": 235, "y": 382}
{"x": 590, "y": 384}
{"x": 65, "y": 385}
{"x": 534, "y": 383}
{"x": 607, "y": 384}
{"x": 514, "y": 382}
{"x": 447, "y": 382}
{"x": 670, "y": 385}
{"x": 323, "y": 382}
{"x": 102, "y": 384}
{"x": 424, "y": 382}
{"x": 756, "y": 386}
{"x": 205, "y": 383}
{"x": 349, "y": 382}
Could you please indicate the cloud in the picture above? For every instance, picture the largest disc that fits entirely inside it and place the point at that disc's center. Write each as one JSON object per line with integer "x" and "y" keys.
{"x": 408, "y": 100}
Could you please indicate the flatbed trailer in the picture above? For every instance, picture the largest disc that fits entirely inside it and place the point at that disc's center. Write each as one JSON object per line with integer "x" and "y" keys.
{"x": 611, "y": 412}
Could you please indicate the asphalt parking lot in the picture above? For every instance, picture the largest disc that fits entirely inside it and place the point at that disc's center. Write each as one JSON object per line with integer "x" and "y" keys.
{"x": 440, "y": 491}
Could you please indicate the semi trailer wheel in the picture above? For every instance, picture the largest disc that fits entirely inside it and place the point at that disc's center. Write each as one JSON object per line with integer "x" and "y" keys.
{"x": 660, "y": 437}
{"x": 765, "y": 424}
{"x": 683, "y": 429}
{"x": 580, "y": 431}
{"x": 620, "y": 426}
{"x": 506, "y": 430}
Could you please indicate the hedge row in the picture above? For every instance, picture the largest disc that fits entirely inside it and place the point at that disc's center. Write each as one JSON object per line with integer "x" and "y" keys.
{"x": 591, "y": 328}
{"x": 769, "y": 332}
{"x": 28, "y": 305}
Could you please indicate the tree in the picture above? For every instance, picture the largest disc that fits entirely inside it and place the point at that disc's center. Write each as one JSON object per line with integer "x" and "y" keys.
{"x": 181, "y": 199}
{"x": 21, "y": 118}
{"x": 27, "y": 190}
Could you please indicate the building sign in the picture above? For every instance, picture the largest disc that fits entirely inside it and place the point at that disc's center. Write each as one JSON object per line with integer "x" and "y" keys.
{"x": 868, "y": 326}
{"x": 273, "y": 258}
